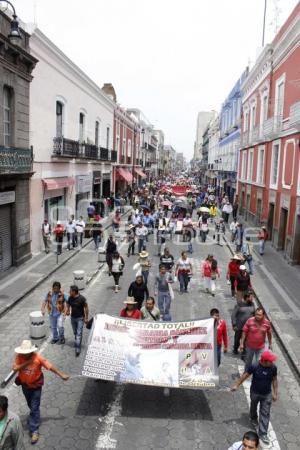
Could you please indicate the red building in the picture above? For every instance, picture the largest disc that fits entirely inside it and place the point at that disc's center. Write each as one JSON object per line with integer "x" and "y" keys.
{"x": 268, "y": 174}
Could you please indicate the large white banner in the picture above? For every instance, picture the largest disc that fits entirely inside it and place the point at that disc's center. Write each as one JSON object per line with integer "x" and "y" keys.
{"x": 170, "y": 354}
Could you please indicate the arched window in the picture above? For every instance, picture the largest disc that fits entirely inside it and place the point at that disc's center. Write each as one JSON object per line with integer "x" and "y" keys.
{"x": 7, "y": 116}
{"x": 81, "y": 127}
{"x": 59, "y": 119}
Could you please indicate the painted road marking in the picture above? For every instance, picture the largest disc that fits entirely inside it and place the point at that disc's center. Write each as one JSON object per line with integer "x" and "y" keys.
{"x": 107, "y": 423}
{"x": 274, "y": 444}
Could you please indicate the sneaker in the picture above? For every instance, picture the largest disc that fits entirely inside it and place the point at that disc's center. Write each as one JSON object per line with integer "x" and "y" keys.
{"x": 254, "y": 423}
{"x": 34, "y": 437}
{"x": 62, "y": 341}
{"x": 265, "y": 439}
{"x": 54, "y": 341}
{"x": 77, "y": 352}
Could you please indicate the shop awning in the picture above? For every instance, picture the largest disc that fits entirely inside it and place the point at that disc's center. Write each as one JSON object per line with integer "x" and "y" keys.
{"x": 125, "y": 174}
{"x": 140, "y": 172}
{"x": 58, "y": 183}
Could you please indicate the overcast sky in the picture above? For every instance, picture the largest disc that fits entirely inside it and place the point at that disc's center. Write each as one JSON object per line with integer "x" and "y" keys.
{"x": 170, "y": 58}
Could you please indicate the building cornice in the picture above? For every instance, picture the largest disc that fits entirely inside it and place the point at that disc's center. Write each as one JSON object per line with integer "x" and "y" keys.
{"x": 40, "y": 42}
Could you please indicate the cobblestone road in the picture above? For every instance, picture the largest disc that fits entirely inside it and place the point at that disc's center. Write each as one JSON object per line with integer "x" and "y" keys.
{"x": 84, "y": 414}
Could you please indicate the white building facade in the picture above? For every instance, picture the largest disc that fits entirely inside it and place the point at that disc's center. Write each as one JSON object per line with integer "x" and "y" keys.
{"x": 71, "y": 131}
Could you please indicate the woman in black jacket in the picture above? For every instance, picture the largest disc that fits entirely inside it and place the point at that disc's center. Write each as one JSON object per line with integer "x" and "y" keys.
{"x": 138, "y": 289}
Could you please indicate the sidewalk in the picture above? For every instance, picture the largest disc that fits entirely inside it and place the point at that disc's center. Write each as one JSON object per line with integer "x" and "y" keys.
{"x": 277, "y": 287}
{"x": 21, "y": 281}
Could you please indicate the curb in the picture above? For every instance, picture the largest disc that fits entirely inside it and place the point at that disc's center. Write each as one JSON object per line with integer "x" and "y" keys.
{"x": 7, "y": 308}
{"x": 288, "y": 352}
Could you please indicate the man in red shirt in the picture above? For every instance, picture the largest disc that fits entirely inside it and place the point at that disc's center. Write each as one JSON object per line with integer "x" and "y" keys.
{"x": 29, "y": 365}
{"x": 253, "y": 339}
{"x": 130, "y": 311}
{"x": 222, "y": 336}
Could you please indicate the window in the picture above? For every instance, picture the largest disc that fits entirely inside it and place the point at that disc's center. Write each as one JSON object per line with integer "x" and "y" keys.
{"x": 260, "y": 165}
{"x": 123, "y": 147}
{"x": 107, "y": 137}
{"x": 264, "y": 112}
{"x": 244, "y": 165}
{"x": 279, "y": 101}
{"x": 274, "y": 164}
{"x": 252, "y": 116}
{"x": 7, "y": 113}
{"x": 97, "y": 133}
{"x": 246, "y": 120}
{"x": 59, "y": 119}
{"x": 250, "y": 166}
{"x": 129, "y": 149}
{"x": 81, "y": 127}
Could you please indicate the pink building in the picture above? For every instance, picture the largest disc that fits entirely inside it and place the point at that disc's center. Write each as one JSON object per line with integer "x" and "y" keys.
{"x": 268, "y": 174}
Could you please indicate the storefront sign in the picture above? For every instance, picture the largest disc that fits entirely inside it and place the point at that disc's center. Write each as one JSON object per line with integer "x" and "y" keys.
{"x": 7, "y": 197}
{"x": 84, "y": 183}
{"x": 97, "y": 177}
{"x": 171, "y": 354}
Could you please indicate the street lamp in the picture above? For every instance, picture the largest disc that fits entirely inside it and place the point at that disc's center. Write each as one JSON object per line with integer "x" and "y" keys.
{"x": 14, "y": 35}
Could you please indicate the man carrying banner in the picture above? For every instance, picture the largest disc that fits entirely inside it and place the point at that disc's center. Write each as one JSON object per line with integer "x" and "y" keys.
{"x": 150, "y": 312}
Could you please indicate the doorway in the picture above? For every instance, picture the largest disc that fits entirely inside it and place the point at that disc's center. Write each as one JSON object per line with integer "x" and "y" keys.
{"x": 282, "y": 228}
{"x": 271, "y": 220}
{"x": 258, "y": 211}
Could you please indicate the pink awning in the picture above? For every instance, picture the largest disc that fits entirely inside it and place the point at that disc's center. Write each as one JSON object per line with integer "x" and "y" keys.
{"x": 125, "y": 174}
{"x": 140, "y": 172}
{"x": 58, "y": 183}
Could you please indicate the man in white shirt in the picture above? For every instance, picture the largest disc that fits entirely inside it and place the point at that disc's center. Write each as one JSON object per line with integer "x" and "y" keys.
{"x": 250, "y": 442}
{"x": 80, "y": 226}
{"x": 70, "y": 230}
{"x": 141, "y": 232}
{"x": 46, "y": 233}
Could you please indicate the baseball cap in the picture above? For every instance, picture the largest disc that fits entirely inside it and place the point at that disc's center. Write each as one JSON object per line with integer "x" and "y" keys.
{"x": 268, "y": 356}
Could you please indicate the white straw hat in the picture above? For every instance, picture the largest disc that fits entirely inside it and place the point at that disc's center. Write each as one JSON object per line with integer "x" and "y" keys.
{"x": 130, "y": 301}
{"x": 25, "y": 348}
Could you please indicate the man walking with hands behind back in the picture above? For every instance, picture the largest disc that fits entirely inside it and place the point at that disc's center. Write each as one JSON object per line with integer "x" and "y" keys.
{"x": 78, "y": 307}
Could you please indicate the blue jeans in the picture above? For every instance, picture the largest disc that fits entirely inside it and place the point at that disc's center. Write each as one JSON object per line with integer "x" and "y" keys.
{"x": 251, "y": 265}
{"x": 265, "y": 402}
{"x": 250, "y": 354}
{"x": 164, "y": 302}
{"x": 183, "y": 281}
{"x": 145, "y": 275}
{"x": 141, "y": 244}
{"x": 262, "y": 244}
{"x": 77, "y": 325}
{"x": 33, "y": 399}
{"x": 96, "y": 239}
{"x": 57, "y": 326}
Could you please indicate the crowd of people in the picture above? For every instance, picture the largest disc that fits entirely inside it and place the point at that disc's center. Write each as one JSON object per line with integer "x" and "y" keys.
{"x": 151, "y": 293}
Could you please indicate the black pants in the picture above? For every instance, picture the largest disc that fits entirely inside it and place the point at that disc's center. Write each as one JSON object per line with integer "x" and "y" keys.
{"x": 59, "y": 240}
{"x": 232, "y": 281}
{"x": 116, "y": 276}
{"x": 237, "y": 338}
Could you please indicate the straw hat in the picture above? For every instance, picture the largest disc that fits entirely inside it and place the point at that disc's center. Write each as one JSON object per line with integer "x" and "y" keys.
{"x": 131, "y": 226}
{"x": 144, "y": 254}
{"x": 236, "y": 257}
{"x": 130, "y": 301}
{"x": 25, "y": 348}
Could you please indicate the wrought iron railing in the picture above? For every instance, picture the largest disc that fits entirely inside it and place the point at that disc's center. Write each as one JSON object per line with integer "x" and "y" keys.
{"x": 15, "y": 160}
{"x": 74, "y": 149}
{"x": 295, "y": 114}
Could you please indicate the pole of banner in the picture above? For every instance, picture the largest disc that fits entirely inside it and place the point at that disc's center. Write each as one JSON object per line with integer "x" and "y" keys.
{"x": 264, "y": 24}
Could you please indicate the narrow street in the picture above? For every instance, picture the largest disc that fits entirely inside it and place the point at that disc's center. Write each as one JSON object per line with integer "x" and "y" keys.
{"x": 84, "y": 414}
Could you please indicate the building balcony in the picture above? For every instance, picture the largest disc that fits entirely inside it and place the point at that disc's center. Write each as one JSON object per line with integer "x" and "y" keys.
{"x": 295, "y": 115}
{"x": 68, "y": 148}
{"x": 15, "y": 160}
{"x": 128, "y": 160}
